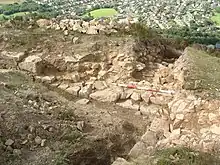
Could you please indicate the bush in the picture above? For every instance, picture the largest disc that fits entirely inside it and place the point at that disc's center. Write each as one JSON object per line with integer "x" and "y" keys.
{"x": 142, "y": 32}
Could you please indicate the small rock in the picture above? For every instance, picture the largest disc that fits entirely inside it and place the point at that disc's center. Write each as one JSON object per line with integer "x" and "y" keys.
{"x": 160, "y": 124}
{"x": 9, "y": 142}
{"x": 215, "y": 129}
{"x": 31, "y": 128}
{"x": 212, "y": 117}
{"x": 66, "y": 32}
{"x": 175, "y": 134}
{"x": 136, "y": 96}
{"x": 146, "y": 96}
{"x": 160, "y": 100}
{"x": 180, "y": 116}
{"x": 38, "y": 140}
{"x": 92, "y": 30}
{"x": 30, "y": 136}
{"x": 74, "y": 90}
{"x": 149, "y": 138}
{"x": 126, "y": 94}
{"x": 17, "y": 152}
{"x": 85, "y": 91}
{"x": 63, "y": 86}
{"x": 9, "y": 148}
{"x": 138, "y": 113}
{"x": 99, "y": 85}
{"x": 48, "y": 79}
{"x": 43, "y": 22}
{"x": 75, "y": 40}
{"x": 172, "y": 116}
{"x": 149, "y": 109}
{"x": 75, "y": 77}
{"x": 24, "y": 142}
{"x": 82, "y": 101}
{"x": 80, "y": 125}
{"x": 50, "y": 129}
{"x": 42, "y": 144}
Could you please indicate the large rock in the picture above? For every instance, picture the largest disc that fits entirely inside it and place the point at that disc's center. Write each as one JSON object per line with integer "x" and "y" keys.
{"x": 107, "y": 95}
{"x": 33, "y": 64}
{"x": 129, "y": 104}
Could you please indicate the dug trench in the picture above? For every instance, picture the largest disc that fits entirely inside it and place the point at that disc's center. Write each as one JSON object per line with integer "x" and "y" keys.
{"x": 42, "y": 122}
{"x": 46, "y": 128}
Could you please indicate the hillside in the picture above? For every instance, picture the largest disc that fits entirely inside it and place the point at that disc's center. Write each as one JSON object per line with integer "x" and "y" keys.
{"x": 73, "y": 93}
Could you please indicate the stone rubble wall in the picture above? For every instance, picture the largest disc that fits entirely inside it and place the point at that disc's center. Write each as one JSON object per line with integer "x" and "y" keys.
{"x": 92, "y": 27}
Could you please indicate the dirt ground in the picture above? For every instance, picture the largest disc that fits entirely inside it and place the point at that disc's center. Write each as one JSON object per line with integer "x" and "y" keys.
{"x": 47, "y": 128}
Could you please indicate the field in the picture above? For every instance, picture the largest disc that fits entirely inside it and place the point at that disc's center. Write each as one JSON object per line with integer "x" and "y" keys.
{"x": 216, "y": 18}
{"x": 105, "y": 12}
{"x": 9, "y": 1}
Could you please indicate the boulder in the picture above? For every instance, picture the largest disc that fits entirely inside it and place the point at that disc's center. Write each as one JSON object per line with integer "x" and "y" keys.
{"x": 33, "y": 64}
{"x": 106, "y": 95}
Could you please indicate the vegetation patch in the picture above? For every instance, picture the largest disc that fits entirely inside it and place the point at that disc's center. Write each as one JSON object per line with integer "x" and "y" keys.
{"x": 185, "y": 156}
{"x": 204, "y": 72}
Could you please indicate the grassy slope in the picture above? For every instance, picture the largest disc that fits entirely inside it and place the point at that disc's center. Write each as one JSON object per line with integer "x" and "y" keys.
{"x": 204, "y": 72}
{"x": 105, "y": 12}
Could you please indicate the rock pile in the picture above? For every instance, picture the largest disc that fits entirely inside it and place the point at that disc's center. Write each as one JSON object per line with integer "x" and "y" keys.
{"x": 92, "y": 27}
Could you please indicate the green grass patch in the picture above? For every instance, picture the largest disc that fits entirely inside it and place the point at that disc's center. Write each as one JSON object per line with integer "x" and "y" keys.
{"x": 216, "y": 18}
{"x": 10, "y": 1}
{"x": 105, "y": 12}
{"x": 13, "y": 15}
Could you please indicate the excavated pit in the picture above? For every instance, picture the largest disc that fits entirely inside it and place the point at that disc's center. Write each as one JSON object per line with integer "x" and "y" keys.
{"x": 102, "y": 58}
